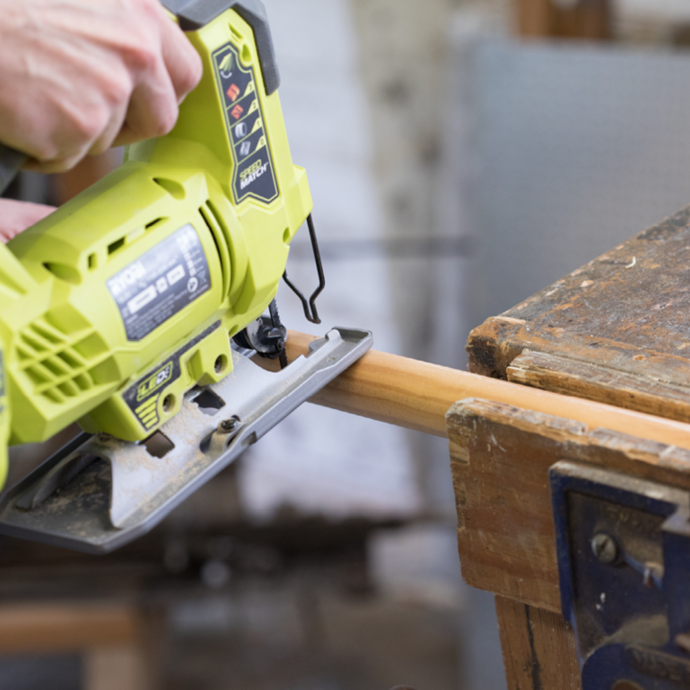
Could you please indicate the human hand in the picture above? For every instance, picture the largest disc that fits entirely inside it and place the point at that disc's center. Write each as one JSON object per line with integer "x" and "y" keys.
{"x": 17, "y": 216}
{"x": 80, "y": 76}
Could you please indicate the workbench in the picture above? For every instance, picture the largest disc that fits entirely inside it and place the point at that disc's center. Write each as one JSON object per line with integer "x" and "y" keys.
{"x": 615, "y": 331}
{"x": 594, "y": 370}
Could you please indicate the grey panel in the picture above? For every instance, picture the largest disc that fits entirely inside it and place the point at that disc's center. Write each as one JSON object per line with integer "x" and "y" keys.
{"x": 578, "y": 148}
{"x": 28, "y": 672}
{"x": 193, "y": 14}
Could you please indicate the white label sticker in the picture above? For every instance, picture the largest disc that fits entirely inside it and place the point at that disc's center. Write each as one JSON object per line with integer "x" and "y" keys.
{"x": 142, "y": 299}
{"x": 176, "y": 274}
{"x": 161, "y": 282}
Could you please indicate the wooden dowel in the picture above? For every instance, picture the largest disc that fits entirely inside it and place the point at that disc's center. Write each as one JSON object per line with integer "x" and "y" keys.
{"x": 417, "y": 395}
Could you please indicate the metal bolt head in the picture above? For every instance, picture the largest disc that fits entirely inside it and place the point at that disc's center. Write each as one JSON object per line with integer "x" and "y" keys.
{"x": 228, "y": 426}
{"x": 604, "y": 548}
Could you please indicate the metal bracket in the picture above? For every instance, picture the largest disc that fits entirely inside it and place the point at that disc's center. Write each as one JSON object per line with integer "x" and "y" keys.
{"x": 624, "y": 566}
{"x": 99, "y": 493}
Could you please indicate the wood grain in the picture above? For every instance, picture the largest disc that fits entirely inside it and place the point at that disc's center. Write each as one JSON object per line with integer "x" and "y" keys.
{"x": 500, "y": 459}
{"x": 614, "y": 331}
{"x": 417, "y": 395}
{"x": 538, "y": 648}
{"x": 567, "y": 376}
{"x": 625, "y": 312}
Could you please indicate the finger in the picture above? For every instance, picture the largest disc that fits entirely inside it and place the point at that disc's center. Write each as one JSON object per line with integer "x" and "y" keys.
{"x": 126, "y": 136}
{"x": 153, "y": 109}
{"x": 17, "y": 135}
{"x": 181, "y": 58}
{"x": 111, "y": 131}
{"x": 51, "y": 167}
{"x": 70, "y": 137}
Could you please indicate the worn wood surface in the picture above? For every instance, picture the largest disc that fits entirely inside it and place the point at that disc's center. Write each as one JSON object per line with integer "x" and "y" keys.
{"x": 568, "y": 376}
{"x": 587, "y": 19}
{"x": 623, "y": 317}
{"x": 500, "y": 458}
{"x": 538, "y": 648}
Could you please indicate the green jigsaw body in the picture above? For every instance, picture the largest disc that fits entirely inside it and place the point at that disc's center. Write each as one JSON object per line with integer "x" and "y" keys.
{"x": 126, "y": 297}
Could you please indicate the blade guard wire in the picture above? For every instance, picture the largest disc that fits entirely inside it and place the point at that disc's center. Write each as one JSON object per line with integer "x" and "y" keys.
{"x": 309, "y": 305}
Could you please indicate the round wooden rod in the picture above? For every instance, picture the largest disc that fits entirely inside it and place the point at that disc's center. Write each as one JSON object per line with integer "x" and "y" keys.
{"x": 417, "y": 395}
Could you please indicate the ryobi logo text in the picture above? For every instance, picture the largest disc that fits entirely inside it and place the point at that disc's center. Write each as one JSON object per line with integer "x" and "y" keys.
{"x": 126, "y": 278}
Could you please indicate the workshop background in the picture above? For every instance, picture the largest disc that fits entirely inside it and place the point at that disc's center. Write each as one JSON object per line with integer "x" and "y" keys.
{"x": 462, "y": 154}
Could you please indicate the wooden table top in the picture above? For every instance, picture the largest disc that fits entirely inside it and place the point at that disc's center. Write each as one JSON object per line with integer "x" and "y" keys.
{"x": 616, "y": 330}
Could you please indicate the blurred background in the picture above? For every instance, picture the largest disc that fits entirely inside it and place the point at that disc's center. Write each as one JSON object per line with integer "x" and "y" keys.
{"x": 462, "y": 154}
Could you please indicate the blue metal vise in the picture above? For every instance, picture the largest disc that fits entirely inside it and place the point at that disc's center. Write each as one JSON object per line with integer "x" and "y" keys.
{"x": 624, "y": 566}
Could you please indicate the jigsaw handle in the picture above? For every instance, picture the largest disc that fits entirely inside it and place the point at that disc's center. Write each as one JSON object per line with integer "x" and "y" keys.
{"x": 11, "y": 162}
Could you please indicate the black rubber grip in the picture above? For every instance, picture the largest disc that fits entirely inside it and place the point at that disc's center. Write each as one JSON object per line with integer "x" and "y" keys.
{"x": 195, "y": 14}
{"x": 11, "y": 162}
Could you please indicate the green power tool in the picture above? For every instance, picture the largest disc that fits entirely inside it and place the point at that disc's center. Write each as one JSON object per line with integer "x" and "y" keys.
{"x": 136, "y": 308}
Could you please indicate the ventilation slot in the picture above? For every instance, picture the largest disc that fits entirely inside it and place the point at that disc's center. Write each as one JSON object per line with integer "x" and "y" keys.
{"x": 53, "y": 364}
{"x": 118, "y": 244}
{"x": 220, "y": 235}
{"x": 211, "y": 221}
{"x": 216, "y": 216}
{"x": 153, "y": 223}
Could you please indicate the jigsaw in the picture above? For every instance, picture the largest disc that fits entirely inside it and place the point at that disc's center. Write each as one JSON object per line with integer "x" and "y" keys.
{"x": 139, "y": 307}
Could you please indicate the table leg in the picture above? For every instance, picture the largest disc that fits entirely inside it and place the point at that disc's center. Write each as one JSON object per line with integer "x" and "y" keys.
{"x": 538, "y": 648}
